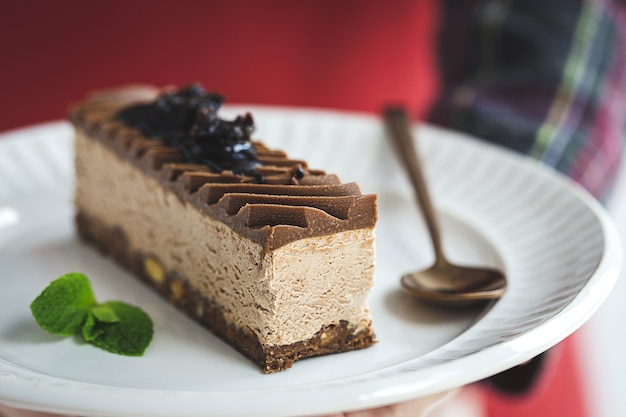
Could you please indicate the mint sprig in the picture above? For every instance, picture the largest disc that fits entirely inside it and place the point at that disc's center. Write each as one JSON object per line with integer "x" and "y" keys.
{"x": 63, "y": 306}
{"x": 68, "y": 306}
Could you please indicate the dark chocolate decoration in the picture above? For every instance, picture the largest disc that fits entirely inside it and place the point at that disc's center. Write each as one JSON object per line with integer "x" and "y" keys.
{"x": 292, "y": 201}
{"x": 187, "y": 120}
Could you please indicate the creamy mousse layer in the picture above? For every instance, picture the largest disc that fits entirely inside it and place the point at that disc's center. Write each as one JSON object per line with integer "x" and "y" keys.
{"x": 283, "y": 296}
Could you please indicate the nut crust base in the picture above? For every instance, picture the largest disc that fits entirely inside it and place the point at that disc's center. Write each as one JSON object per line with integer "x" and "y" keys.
{"x": 332, "y": 338}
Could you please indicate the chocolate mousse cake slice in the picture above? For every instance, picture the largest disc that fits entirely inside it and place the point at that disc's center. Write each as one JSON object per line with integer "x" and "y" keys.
{"x": 275, "y": 258}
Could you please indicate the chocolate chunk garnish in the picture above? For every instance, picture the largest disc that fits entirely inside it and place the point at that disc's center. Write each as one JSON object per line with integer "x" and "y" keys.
{"x": 281, "y": 201}
{"x": 187, "y": 120}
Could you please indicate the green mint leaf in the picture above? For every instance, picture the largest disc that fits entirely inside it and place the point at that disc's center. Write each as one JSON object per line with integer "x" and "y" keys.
{"x": 129, "y": 336}
{"x": 92, "y": 328}
{"x": 104, "y": 313}
{"x": 63, "y": 306}
{"x": 68, "y": 306}
{"x": 99, "y": 319}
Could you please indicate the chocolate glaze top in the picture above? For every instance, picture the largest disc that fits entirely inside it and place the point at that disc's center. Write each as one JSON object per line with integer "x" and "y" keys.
{"x": 292, "y": 202}
{"x": 187, "y": 120}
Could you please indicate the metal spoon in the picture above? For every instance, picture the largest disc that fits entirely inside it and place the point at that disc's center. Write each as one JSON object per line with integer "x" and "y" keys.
{"x": 444, "y": 282}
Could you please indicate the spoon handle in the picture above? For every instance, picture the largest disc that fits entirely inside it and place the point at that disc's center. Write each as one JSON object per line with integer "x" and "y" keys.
{"x": 399, "y": 130}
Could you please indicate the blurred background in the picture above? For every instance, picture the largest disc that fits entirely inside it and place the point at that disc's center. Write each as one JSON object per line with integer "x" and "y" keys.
{"x": 348, "y": 55}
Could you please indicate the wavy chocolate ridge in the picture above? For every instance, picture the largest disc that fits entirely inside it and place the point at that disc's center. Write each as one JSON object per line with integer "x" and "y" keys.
{"x": 281, "y": 210}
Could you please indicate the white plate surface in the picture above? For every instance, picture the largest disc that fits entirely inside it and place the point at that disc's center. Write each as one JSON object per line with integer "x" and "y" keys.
{"x": 556, "y": 244}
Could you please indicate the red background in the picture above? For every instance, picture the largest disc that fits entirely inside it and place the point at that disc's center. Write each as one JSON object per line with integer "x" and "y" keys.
{"x": 341, "y": 54}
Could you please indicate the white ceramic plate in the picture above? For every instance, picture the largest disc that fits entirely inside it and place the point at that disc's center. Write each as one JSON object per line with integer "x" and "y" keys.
{"x": 555, "y": 243}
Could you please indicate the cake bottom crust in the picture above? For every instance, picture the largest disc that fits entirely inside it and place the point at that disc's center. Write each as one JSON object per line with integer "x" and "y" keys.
{"x": 331, "y": 338}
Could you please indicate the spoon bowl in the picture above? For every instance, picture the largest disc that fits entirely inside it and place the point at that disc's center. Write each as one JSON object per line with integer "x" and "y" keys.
{"x": 444, "y": 282}
{"x": 454, "y": 284}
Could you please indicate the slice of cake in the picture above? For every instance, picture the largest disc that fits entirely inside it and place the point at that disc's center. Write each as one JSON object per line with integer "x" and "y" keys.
{"x": 275, "y": 258}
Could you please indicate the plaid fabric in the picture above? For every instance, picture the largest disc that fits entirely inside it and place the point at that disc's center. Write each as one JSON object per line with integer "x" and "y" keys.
{"x": 547, "y": 78}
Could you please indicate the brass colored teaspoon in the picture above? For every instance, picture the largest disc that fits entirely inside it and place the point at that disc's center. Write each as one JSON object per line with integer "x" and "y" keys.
{"x": 443, "y": 283}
